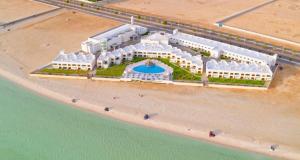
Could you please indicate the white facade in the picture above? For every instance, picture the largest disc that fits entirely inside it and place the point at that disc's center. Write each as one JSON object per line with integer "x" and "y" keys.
{"x": 218, "y": 48}
{"x": 157, "y": 38}
{"x": 112, "y": 38}
{"x": 216, "y": 52}
{"x": 153, "y": 46}
{"x": 74, "y": 61}
{"x": 90, "y": 47}
{"x": 234, "y": 70}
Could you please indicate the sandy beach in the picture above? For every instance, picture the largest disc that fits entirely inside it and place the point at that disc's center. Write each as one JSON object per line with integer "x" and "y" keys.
{"x": 251, "y": 120}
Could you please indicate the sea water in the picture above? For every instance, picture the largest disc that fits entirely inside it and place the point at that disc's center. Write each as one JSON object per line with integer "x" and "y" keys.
{"x": 33, "y": 127}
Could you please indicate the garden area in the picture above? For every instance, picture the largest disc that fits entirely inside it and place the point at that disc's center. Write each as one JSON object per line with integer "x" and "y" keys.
{"x": 203, "y": 53}
{"x": 181, "y": 73}
{"x": 116, "y": 71}
{"x": 53, "y": 71}
{"x": 245, "y": 82}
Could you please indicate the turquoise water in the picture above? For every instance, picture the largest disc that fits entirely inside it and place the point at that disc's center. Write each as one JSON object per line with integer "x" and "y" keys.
{"x": 149, "y": 69}
{"x": 37, "y": 128}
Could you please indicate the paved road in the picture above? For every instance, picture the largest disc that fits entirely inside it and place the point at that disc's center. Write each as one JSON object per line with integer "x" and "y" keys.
{"x": 285, "y": 54}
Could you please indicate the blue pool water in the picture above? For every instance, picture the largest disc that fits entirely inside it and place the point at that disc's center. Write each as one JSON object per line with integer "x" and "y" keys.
{"x": 148, "y": 69}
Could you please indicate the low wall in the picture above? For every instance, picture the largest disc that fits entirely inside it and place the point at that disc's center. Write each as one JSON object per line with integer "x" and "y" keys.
{"x": 188, "y": 84}
{"x": 236, "y": 87}
{"x": 57, "y": 76}
{"x": 106, "y": 79}
{"x": 127, "y": 80}
{"x": 158, "y": 82}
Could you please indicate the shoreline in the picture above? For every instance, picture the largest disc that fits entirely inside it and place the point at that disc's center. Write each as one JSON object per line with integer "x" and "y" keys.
{"x": 223, "y": 139}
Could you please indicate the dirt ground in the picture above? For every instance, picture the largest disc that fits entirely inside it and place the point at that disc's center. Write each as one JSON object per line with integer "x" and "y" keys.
{"x": 65, "y": 31}
{"x": 279, "y": 19}
{"x": 16, "y": 9}
{"x": 197, "y": 11}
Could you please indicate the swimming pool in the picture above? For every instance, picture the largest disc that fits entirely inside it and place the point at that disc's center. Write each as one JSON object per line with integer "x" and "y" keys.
{"x": 148, "y": 69}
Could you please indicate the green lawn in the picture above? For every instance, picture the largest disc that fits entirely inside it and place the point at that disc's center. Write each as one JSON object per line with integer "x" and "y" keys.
{"x": 116, "y": 70}
{"x": 93, "y": 0}
{"x": 222, "y": 57}
{"x": 52, "y": 71}
{"x": 237, "y": 81}
{"x": 181, "y": 73}
{"x": 113, "y": 71}
{"x": 204, "y": 53}
{"x": 137, "y": 59}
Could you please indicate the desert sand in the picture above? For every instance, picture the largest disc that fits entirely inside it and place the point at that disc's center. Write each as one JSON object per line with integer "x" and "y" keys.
{"x": 196, "y": 11}
{"x": 51, "y": 30}
{"x": 248, "y": 119}
{"x": 16, "y": 9}
{"x": 279, "y": 19}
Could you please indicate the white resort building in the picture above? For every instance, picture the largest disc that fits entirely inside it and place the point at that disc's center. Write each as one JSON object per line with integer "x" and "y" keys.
{"x": 113, "y": 38}
{"x": 218, "y": 49}
{"x": 244, "y": 64}
{"x": 153, "y": 46}
{"x": 253, "y": 71}
{"x": 74, "y": 61}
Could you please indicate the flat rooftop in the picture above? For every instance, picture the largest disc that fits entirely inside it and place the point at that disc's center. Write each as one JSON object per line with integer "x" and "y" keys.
{"x": 226, "y": 47}
{"x": 74, "y": 57}
{"x": 238, "y": 67}
{"x": 113, "y": 32}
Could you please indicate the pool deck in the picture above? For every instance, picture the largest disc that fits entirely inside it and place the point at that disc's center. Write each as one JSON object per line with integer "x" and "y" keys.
{"x": 131, "y": 74}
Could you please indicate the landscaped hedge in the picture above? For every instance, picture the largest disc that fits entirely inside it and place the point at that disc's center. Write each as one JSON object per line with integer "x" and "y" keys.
{"x": 181, "y": 73}
{"x": 116, "y": 70}
{"x": 247, "y": 82}
{"x": 52, "y": 71}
